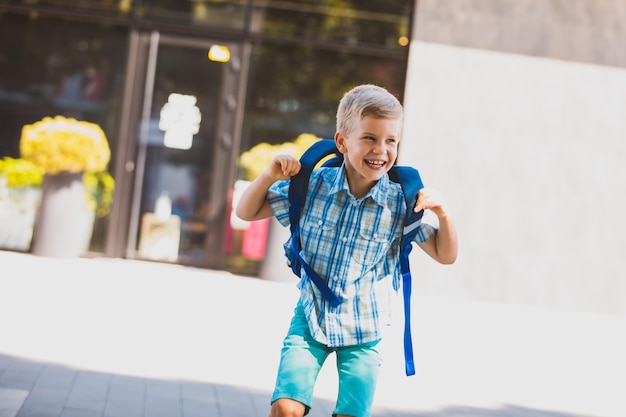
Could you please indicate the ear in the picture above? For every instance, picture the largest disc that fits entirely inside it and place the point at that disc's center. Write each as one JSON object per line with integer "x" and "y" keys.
{"x": 340, "y": 141}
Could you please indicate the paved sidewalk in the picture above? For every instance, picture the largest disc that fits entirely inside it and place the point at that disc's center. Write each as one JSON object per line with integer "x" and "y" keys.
{"x": 120, "y": 338}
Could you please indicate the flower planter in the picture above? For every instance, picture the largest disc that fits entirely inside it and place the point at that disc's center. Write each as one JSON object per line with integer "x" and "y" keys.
{"x": 18, "y": 209}
{"x": 64, "y": 149}
{"x": 65, "y": 221}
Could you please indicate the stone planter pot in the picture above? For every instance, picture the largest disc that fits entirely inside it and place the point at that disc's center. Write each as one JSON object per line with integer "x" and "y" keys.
{"x": 18, "y": 209}
{"x": 274, "y": 266}
{"x": 64, "y": 224}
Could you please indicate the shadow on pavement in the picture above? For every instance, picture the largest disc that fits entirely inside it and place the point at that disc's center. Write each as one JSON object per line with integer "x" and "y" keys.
{"x": 36, "y": 389}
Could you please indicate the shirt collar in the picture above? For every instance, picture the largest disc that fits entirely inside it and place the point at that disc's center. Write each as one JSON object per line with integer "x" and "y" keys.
{"x": 339, "y": 182}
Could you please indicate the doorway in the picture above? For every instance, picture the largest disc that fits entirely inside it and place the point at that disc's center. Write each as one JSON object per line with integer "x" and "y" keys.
{"x": 186, "y": 148}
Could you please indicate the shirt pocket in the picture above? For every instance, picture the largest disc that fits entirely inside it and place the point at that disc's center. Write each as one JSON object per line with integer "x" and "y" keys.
{"x": 317, "y": 237}
{"x": 373, "y": 242}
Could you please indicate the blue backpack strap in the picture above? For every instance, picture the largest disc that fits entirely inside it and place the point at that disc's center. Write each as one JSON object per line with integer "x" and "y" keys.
{"x": 411, "y": 183}
{"x": 299, "y": 183}
{"x": 409, "y": 179}
{"x": 298, "y": 190}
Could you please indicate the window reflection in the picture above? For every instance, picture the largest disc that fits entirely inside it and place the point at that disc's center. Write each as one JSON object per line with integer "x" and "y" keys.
{"x": 121, "y": 7}
{"x": 183, "y": 176}
{"x": 363, "y": 22}
{"x": 216, "y": 13}
{"x": 303, "y": 55}
{"x": 53, "y": 68}
{"x": 296, "y": 89}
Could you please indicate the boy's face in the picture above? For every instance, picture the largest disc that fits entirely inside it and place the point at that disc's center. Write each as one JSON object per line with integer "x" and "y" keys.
{"x": 369, "y": 151}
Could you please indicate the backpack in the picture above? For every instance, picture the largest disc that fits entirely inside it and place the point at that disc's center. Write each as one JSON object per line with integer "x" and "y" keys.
{"x": 411, "y": 183}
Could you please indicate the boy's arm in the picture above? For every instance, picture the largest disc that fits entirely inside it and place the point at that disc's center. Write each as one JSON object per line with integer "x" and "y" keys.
{"x": 253, "y": 204}
{"x": 443, "y": 247}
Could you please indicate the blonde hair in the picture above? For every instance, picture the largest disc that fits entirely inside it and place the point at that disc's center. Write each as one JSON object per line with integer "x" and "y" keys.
{"x": 366, "y": 100}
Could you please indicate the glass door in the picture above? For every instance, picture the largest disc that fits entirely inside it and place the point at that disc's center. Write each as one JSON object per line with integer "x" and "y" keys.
{"x": 186, "y": 152}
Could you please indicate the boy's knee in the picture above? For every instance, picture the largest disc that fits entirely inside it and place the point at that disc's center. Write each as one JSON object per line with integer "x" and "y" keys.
{"x": 285, "y": 407}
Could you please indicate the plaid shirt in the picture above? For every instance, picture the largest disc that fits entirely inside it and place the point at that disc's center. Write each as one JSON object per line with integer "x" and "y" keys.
{"x": 354, "y": 245}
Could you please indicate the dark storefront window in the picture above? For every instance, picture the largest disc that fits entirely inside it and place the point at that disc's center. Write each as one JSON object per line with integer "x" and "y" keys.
{"x": 110, "y": 7}
{"x": 58, "y": 67}
{"x": 178, "y": 167}
{"x": 208, "y": 13}
{"x": 295, "y": 89}
{"x": 290, "y": 63}
{"x": 356, "y": 23}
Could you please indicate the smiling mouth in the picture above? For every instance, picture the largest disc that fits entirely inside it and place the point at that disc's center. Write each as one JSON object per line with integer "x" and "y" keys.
{"x": 375, "y": 164}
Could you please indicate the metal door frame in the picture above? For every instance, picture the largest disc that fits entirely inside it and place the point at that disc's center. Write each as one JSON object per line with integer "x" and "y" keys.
{"x": 130, "y": 159}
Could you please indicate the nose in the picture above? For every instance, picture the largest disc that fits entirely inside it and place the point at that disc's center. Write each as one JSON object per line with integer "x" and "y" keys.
{"x": 379, "y": 148}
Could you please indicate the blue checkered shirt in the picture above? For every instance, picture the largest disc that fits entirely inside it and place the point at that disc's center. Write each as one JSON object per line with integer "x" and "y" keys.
{"x": 354, "y": 245}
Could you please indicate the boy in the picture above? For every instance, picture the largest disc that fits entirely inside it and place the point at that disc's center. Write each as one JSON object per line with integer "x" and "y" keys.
{"x": 350, "y": 230}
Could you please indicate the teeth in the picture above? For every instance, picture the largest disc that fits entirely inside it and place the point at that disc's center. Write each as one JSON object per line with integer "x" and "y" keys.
{"x": 378, "y": 163}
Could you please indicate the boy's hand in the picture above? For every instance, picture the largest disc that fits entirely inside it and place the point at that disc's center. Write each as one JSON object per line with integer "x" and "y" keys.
{"x": 430, "y": 198}
{"x": 444, "y": 246}
{"x": 253, "y": 204}
{"x": 283, "y": 167}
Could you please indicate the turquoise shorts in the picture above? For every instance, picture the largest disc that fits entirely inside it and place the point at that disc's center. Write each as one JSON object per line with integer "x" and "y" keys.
{"x": 302, "y": 358}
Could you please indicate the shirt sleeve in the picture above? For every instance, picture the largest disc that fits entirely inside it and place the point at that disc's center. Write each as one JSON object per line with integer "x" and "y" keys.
{"x": 278, "y": 198}
{"x": 428, "y": 227}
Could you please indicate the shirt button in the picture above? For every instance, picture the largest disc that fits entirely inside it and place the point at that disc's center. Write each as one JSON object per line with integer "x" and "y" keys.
{"x": 344, "y": 239}
{"x": 375, "y": 235}
{"x": 319, "y": 222}
{"x": 336, "y": 278}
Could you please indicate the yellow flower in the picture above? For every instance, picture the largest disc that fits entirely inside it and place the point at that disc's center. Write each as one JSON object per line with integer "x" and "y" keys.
{"x": 20, "y": 173}
{"x": 65, "y": 145}
{"x": 257, "y": 159}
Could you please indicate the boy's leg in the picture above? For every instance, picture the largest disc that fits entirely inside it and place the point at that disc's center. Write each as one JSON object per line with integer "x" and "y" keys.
{"x": 358, "y": 368}
{"x": 300, "y": 362}
{"x": 285, "y": 407}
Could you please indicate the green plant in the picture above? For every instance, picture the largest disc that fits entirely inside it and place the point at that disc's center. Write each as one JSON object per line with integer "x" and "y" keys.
{"x": 20, "y": 173}
{"x": 100, "y": 187}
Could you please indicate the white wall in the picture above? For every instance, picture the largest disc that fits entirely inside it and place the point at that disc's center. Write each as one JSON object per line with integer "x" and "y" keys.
{"x": 530, "y": 154}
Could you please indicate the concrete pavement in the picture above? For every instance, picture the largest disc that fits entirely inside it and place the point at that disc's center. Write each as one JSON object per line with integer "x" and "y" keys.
{"x": 122, "y": 338}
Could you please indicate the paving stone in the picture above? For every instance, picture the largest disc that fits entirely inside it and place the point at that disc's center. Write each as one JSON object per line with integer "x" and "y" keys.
{"x": 5, "y": 361}
{"x": 199, "y": 400}
{"x": 80, "y": 412}
{"x": 21, "y": 375}
{"x": 50, "y": 397}
{"x": 89, "y": 391}
{"x": 58, "y": 377}
{"x": 11, "y": 401}
{"x": 126, "y": 397}
{"x": 235, "y": 403}
{"x": 163, "y": 399}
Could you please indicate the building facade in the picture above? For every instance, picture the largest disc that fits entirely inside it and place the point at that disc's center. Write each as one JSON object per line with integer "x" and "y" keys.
{"x": 182, "y": 89}
{"x": 515, "y": 111}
